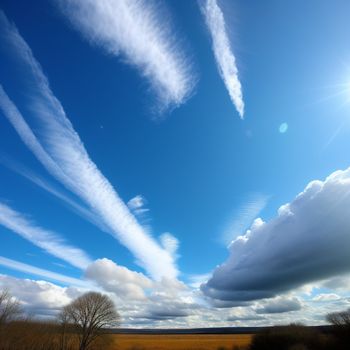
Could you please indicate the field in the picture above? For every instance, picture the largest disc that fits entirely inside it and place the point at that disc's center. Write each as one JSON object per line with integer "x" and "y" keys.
{"x": 180, "y": 341}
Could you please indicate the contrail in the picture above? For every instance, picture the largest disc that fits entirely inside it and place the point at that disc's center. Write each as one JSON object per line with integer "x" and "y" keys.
{"x": 50, "y": 241}
{"x": 63, "y": 154}
{"x": 224, "y": 56}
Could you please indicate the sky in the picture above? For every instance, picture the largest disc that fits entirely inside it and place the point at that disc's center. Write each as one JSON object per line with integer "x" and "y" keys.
{"x": 187, "y": 158}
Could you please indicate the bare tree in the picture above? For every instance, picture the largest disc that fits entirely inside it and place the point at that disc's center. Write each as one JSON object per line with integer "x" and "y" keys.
{"x": 89, "y": 314}
{"x": 341, "y": 323}
{"x": 340, "y": 319}
{"x": 10, "y": 307}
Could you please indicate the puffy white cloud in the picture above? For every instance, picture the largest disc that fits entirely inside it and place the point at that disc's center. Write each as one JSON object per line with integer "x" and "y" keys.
{"x": 139, "y": 32}
{"x": 39, "y": 298}
{"x": 308, "y": 241}
{"x": 118, "y": 279}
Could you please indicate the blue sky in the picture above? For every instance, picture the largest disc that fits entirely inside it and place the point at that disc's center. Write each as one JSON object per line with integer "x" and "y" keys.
{"x": 167, "y": 150}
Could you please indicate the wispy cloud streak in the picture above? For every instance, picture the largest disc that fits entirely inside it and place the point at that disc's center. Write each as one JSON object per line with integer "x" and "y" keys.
{"x": 138, "y": 31}
{"x": 53, "y": 276}
{"x": 245, "y": 216}
{"x": 58, "y": 147}
{"x": 49, "y": 241}
{"x": 36, "y": 179}
{"x": 224, "y": 56}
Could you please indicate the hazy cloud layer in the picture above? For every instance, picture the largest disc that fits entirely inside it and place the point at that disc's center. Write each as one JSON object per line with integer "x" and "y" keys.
{"x": 58, "y": 147}
{"x": 308, "y": 241}
{"x": 224, "y": 56}
{"x": 140, "y": 33}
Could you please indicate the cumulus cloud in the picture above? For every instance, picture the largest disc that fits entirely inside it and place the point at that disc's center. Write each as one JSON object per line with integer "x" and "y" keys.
{"x": 280, "y": 305}
{"x": 40, "y": 298}
{"x": 307, "y": 241}
{"x": 58, "y": 147}
{"x": 140, "y": 33}
{"x": 49, "y": 241}
{"x": 224, "y": 56}
{"x": 118, "y": 279}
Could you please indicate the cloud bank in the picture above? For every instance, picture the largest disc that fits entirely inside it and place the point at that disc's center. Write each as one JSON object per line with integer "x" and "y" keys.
{"x": 308, "y": 241}
{"x": 138, "y": 32}
{"x": 49, "y": 241}
{"x": 58, "y": 147}
{"x": 40, "y": 298}
{"x": 224, "y": 56}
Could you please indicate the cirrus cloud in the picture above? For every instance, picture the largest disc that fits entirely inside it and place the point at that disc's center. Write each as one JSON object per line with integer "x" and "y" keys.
{"x": 138, "y": 32}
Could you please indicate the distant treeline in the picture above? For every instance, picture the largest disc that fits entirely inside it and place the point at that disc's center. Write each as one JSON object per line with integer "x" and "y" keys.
{"x": 212, "y": 330}
{"x": 299, "y": 337}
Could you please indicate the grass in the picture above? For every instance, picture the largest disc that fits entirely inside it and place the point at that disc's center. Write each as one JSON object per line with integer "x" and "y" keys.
{"x": 180, "y": 341}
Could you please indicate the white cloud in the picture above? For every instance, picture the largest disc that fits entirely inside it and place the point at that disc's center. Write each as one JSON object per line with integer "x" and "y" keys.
{"x": 50, "y": 241}
{"x": 308, "y": 241}
{"x": 32, "y": 270}
{"x": 118, "y": 279}
{"x": 136, "y": 202}
{"x": 140, "y": 33}
{"x": 58, "y": 147}
{"x": 224, "y": 56}
{"x": 137, "y": 206}
{"x": 170, "y": 243}
{"x": 40, "y": 298}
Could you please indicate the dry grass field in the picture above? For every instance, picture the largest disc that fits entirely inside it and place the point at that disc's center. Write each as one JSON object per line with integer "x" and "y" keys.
{"x": 181, "y": 341}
